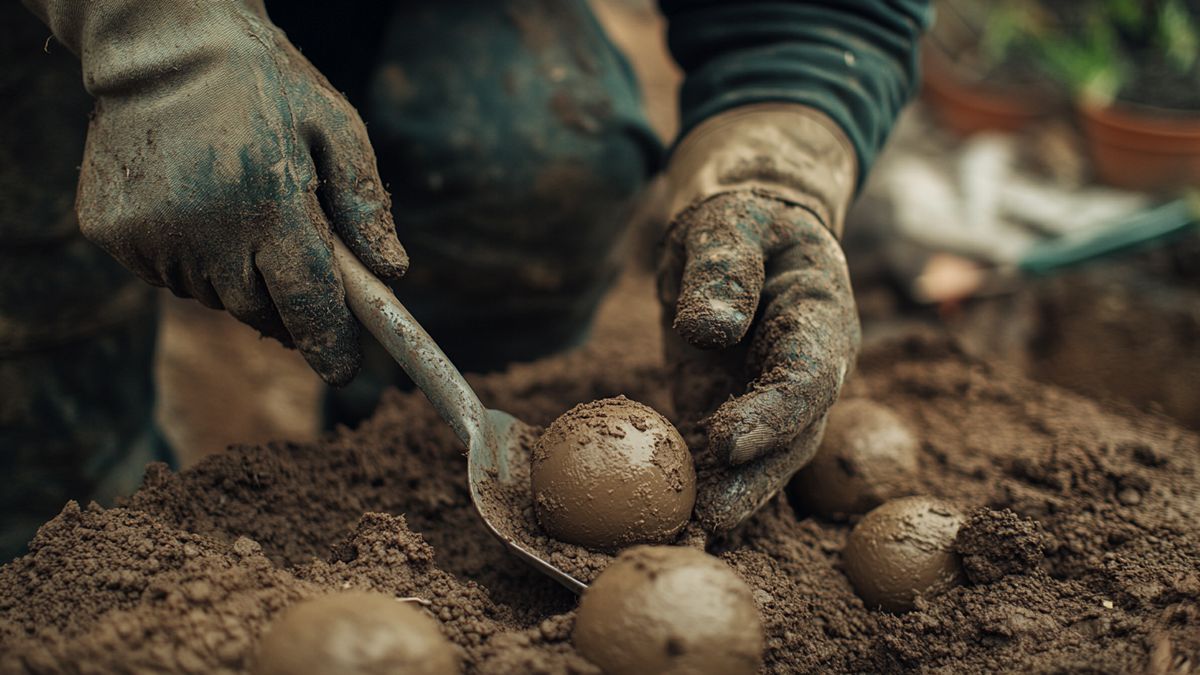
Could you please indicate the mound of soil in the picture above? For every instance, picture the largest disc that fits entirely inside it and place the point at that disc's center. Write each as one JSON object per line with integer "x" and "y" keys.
{"x": 1081, "y": 552}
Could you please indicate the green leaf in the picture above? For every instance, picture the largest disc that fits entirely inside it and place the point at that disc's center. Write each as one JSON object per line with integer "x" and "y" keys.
{"x": 1177, "y": 36}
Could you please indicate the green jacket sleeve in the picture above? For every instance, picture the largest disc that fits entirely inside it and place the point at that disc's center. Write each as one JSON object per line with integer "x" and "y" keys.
{"x": 854, "y": 60}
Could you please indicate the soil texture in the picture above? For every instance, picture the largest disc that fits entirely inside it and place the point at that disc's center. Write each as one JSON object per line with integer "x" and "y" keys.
{"x": 1081, "y": 552}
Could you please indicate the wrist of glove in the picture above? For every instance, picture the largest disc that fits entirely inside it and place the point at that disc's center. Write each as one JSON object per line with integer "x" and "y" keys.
{"x": 219, "y": 162}
{"x": 788, "y": 151}
{"x": 762, "y": 327}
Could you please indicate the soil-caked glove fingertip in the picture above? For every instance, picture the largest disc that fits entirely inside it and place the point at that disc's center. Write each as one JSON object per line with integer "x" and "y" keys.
{"x": 710, "y": 323}
{"x": 371, "y": 237}
{"x": 751, "y": 426}
{"x": 391, "y": 260}
{"x": 336, "y": 364}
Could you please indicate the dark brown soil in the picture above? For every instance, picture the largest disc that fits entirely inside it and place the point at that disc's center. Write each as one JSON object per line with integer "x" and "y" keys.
{"x": 1084, "y": 557}
{"x": 1125, "y": 329}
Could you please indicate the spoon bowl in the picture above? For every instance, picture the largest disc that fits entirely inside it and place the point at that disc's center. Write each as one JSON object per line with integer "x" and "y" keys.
{"x": 496, "y": 441}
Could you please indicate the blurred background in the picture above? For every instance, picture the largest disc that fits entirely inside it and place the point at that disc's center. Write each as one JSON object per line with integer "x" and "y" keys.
{"x": 1038, "y": 200}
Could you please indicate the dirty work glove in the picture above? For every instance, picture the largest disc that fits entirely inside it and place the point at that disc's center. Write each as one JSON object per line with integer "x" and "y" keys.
{"x": 218, "y": 162}
{"x": 761, "y": 323}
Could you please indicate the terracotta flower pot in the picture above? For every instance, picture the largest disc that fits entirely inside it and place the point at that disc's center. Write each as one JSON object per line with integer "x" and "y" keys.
{"x": 966, "y": 107}
{"x": 1143, "y": 148}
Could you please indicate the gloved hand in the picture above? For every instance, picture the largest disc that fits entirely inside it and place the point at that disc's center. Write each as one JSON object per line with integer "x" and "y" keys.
{"x": 762, "y": 327}
{"x": 218, "y": 162}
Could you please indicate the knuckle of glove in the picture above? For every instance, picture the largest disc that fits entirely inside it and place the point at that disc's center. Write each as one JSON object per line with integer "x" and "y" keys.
{"x": 122, "y": 233}
{"x": 104, "y": 228}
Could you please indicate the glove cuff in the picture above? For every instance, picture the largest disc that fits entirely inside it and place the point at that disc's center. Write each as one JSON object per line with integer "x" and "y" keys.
{"x": 785, "y": 150}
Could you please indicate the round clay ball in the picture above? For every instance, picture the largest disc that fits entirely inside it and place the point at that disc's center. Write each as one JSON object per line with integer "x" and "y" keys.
{"x": 610, "y": 474}
{"x": 355, "y": 633}
{"x": 903, "y": 550}
{"x": 867, "y": 457}
{"x": 666, "y": 609}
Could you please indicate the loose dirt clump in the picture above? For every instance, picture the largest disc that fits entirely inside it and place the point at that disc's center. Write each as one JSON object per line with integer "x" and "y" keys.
{"x": 994, "y": 544}
{"x": 186, "y": 575}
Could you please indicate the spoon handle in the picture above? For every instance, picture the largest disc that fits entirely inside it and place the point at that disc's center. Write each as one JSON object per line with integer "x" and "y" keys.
{"x": 395, "y": 328}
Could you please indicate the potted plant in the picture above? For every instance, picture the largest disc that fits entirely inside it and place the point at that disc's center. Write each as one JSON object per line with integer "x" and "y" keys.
{"x": 1134, "y": 67}
{"x": 979, "y": 72}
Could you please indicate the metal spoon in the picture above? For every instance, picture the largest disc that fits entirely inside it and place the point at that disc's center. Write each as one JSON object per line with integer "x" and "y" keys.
{"x": 492, "y": 437}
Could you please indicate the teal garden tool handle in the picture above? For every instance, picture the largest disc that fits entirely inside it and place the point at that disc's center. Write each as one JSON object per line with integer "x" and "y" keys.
{"x": 1160, "y": 222}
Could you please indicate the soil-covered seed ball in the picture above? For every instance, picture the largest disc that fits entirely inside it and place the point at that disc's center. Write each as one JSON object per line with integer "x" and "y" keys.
{"x": 665, "y": 609}
{"x": 867, "y": 457}
{"x": 612, "y": 473}
{"x": 902, "y": 550}
{"x": 355, "y": 633}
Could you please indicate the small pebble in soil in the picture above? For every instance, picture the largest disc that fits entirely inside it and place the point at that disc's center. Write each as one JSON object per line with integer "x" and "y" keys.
{"x": 1129, "y": 497}
{"x": 903, "y": 550}
{"x": 612, "y": 473}
{"x": 665, "y": 609}
{"x": 867, "y": 456}
{"x": 355, "y": 633}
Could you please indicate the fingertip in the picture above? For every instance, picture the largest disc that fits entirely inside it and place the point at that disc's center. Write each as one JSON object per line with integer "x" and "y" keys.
{"x": 751, "y": 426}
{"x": 726, "y": 497}
{"x": 376, "y": 245}
{"x": 311, "y": 304}
{"x": 710, "y": 322}
{"x": 719, "y": 293}
{"x": 393, "y": 259}
{"x": 330, "y": 344}
{"x": 341, "y": 374}
{"x": 387, "y": 261}
{"x": 721, "y": 430}
{"x": 358, "y": 206}
{"x": 338, "y": 363}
